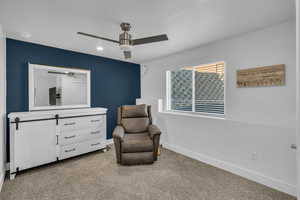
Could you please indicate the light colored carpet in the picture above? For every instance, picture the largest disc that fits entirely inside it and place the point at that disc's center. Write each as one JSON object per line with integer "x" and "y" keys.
{"x": 97, "y": 176}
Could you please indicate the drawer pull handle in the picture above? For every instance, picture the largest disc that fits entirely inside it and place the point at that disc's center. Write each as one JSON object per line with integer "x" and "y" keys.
{"x": 71, "y": 123}
{"x": 95, "y": 132}
{"x": 69, "y": 137}
{"x": 95, "y": 144}
{"x": 95, "y": 120}
{"x": 70, "y": 150}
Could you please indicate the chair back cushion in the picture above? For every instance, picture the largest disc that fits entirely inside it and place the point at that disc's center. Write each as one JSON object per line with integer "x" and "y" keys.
{"x": 134, "y": 111}
{"x": 134, "y": 118}
{"x": 135, "y": 125}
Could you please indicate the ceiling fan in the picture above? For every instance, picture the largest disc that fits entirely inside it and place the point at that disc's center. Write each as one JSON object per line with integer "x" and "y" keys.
{"x": 125, "y": 42}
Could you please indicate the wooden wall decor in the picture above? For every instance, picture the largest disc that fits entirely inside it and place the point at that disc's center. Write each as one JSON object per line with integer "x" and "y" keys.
{"x": 261, "y": 76}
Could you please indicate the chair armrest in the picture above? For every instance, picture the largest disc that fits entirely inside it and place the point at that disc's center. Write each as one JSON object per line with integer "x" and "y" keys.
{"x": 153, "y": 130}
{"x": 119, "y": 132}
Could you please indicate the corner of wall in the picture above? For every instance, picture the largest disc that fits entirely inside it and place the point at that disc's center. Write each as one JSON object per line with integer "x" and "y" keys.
{"x": 2, "y": 106}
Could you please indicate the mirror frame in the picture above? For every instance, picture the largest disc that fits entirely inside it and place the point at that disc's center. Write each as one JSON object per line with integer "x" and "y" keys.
{"x": 32, "y": 67}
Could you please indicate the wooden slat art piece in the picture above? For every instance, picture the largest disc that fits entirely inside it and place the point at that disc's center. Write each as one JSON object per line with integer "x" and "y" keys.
{"x": 261, "y": 76}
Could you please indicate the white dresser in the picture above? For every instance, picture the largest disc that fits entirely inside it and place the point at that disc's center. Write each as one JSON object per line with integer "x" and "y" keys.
{"x": 41, "y": 137}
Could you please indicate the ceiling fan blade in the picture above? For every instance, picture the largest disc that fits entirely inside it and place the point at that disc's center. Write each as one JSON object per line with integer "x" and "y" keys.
{"x": 127, "y": 54}
{"x": 157, "y": 38}
{"x": 98, "y": 37}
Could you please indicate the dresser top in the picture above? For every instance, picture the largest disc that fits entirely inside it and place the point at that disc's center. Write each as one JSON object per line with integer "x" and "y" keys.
{"x": 61, "y": 113}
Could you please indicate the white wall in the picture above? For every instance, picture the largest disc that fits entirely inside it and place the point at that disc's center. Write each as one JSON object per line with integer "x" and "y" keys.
{"x": 254, "y": 140}
{"x": 298, "y": 93}
{"x": 2, "y": 107}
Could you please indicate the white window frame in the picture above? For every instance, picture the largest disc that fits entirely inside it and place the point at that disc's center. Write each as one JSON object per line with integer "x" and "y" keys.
{"x": 193, "y": 112}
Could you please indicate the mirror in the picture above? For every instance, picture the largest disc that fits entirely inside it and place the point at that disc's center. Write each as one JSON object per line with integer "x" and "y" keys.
{"x": 58, "y": 87}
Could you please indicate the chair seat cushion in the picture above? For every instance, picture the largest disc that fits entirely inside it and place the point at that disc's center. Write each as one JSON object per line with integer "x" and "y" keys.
{"x": 138, "y": 142}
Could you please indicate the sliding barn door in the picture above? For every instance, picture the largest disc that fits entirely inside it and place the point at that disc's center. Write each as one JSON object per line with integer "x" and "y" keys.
{"x": 34, "y": 143}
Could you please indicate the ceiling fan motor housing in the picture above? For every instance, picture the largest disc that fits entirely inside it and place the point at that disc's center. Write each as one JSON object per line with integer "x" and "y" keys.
{"x": 125, "y": 41}
{"x": 125, "y": 26}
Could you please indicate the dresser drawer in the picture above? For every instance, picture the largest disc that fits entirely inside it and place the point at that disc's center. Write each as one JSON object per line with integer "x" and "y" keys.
{"x": 76, "y": 123}
{"x": 68, "y": 151}
{"x": 75, "y": 136}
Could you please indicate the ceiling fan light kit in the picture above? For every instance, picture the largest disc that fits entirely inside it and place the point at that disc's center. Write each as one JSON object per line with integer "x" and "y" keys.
{"x": 125, "y": 40}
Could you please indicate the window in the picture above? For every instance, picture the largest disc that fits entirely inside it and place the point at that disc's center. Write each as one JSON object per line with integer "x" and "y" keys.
{"x": 198, "y": 89}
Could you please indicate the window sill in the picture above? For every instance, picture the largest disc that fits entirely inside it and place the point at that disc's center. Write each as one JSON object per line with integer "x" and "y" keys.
{"x": 191, "y": 114}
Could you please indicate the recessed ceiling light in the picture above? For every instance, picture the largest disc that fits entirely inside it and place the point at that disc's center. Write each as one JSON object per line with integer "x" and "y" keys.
{"x": 26, "y": 35}
{"x": 99, "y": 48}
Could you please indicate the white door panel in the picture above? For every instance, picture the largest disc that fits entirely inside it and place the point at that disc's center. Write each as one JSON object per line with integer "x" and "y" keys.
{"x": 35, "y": 143}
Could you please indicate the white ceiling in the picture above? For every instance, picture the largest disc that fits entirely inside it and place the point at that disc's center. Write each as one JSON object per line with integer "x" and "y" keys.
{"x": 188, "y": 23}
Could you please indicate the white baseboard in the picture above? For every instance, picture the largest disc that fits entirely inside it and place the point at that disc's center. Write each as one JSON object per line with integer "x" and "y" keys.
{"x": 235, "y": 169}
{"x": 109, "y": 141}
{"x": 2, "y": 176}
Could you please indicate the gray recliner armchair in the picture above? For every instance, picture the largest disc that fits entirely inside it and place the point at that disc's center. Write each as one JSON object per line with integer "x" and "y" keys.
{"x": 136, "y": 139}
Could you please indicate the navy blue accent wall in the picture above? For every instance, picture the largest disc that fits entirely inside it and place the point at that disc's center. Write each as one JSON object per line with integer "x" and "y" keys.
{"x": 113, "y": 82}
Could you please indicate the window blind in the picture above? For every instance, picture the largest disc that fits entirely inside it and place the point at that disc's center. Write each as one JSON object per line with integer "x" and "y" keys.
{"x": 209, "y": 88}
